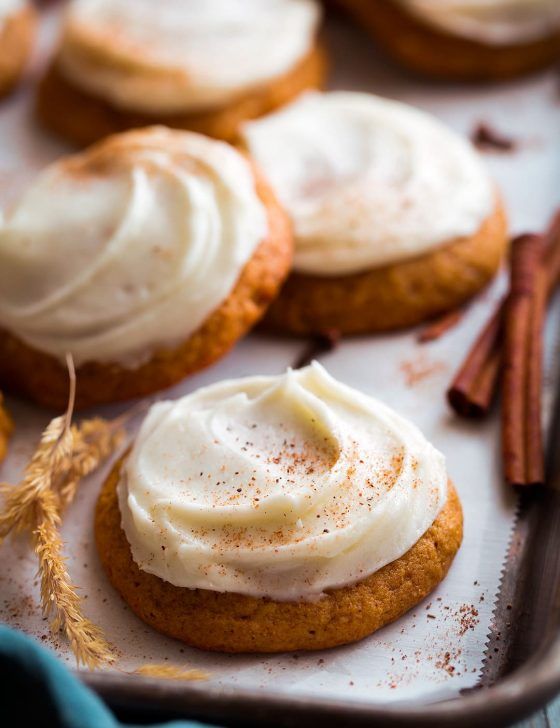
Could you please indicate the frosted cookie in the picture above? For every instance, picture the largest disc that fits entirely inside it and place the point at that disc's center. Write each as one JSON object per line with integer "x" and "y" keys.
{"x": 276, "y": 513}
{"x": 395, "y": 217}
{"x": 6, "y": 427}
{"x": 202, "y": 65}
{"x": 147, "y": 257}
{"x": 467, "y": 40}
{"x": 17, "y": 31}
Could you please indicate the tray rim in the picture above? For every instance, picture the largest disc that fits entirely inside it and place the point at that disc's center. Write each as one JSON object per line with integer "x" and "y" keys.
{"x": 513, "y": 698}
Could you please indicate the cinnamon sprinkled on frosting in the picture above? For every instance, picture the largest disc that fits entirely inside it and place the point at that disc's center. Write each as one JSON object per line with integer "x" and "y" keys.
{"x": 277, "y": 486}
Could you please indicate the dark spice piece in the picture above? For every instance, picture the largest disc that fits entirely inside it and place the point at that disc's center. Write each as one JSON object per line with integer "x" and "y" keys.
{"x": 486, "y": 138}
{"x": 320, "y": 344}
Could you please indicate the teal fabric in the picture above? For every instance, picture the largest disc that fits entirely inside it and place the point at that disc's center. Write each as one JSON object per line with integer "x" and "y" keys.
{"x": 33, "y": 683}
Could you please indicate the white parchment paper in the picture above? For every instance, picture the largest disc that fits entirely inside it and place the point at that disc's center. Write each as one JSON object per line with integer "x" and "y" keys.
{"x": 437, "y": 649}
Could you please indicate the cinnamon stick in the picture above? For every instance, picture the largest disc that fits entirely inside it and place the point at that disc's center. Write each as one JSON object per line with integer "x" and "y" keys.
{"x": 522, "y": 449}
{"x": 552, "y": 254}
{"x": 472, "y": 391}
{"x": 534, "y": 445}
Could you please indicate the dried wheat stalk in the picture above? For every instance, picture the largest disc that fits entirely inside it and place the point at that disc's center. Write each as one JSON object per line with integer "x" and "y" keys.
{"x": 171, "y": 672}
{"x": 66, "y": 453}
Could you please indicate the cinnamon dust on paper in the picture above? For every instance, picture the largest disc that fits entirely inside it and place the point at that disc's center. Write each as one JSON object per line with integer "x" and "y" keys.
{"x": 419, "y": 369}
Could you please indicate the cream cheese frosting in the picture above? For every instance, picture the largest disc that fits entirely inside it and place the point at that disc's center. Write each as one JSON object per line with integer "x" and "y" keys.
{"x": 173, "y": 56}
{"x": 128, "y": 246}
{"x": 368, "y": 181}
{"x": 277, "y": 486}
{"x": 499, "y": 22}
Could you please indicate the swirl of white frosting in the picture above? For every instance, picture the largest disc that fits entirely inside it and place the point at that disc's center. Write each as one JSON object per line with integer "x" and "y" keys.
{"x": 279, "y": 486}
{"x": 368, "y": 181}
{"x": 497, "y": 22}
{"x": 172, "y": 56}
{"x": 129, "y": 246}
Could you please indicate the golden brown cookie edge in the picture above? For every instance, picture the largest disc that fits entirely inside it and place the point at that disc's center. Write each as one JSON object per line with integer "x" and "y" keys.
{"x": 6, "y": 428}
{"x": 83, "y": 118}
{"x": 16, "y": 40}
{"x": 429, "y": 51}
{"x": 395, "y": 296}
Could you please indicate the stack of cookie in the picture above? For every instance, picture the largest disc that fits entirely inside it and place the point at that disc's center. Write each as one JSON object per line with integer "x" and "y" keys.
{"x": 222, "y": 188}
{"x": 392, "y": 216}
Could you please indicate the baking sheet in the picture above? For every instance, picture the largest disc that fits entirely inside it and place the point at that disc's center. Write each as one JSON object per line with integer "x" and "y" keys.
{"x": 438, "y": 648}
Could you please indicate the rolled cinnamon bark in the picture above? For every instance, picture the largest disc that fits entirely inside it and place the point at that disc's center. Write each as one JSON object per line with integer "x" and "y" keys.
{"x": 522, "y": 449}
{"x": 472, "y": 391}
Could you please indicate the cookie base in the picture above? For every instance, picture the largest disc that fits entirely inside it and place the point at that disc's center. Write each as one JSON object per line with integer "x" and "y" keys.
{"x": 395, "y": 296}
{"x": 432, "y": 52}
{"x": 6, "y": 427}
{"x": 16, "y": 38}
{"x": 226, "y": 622}
{"x": 84, "y": 118}
{"x": 44, "y": 379}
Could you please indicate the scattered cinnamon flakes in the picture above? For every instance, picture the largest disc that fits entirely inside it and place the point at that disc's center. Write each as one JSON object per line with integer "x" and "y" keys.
{"x": 468, "y": 618}
{"x": 452, "y": 622}
{"x": 419, "y": 369}
{"x": 486, "y": 138}
{"x": 171, "y": 672}
{"x": 445, "y": 662}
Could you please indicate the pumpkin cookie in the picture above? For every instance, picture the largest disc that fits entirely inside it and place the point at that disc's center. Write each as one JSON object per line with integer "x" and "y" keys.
{"x": 146, "y": 257}
{"x": 6, "y": 427}
{"x": 464, "y": 40}
{"x": 205, "y": 65}
{"x": 276, "y": 513}
{"x": 17, "y": 31}
{"x": 395, "y": 218}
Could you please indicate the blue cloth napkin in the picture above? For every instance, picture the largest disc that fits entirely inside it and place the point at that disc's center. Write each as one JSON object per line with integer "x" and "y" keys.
{"x": 37, "y": 690}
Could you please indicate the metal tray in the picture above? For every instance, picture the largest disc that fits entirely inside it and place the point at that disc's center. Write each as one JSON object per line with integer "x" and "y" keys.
{"x": 522, "y": 660}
